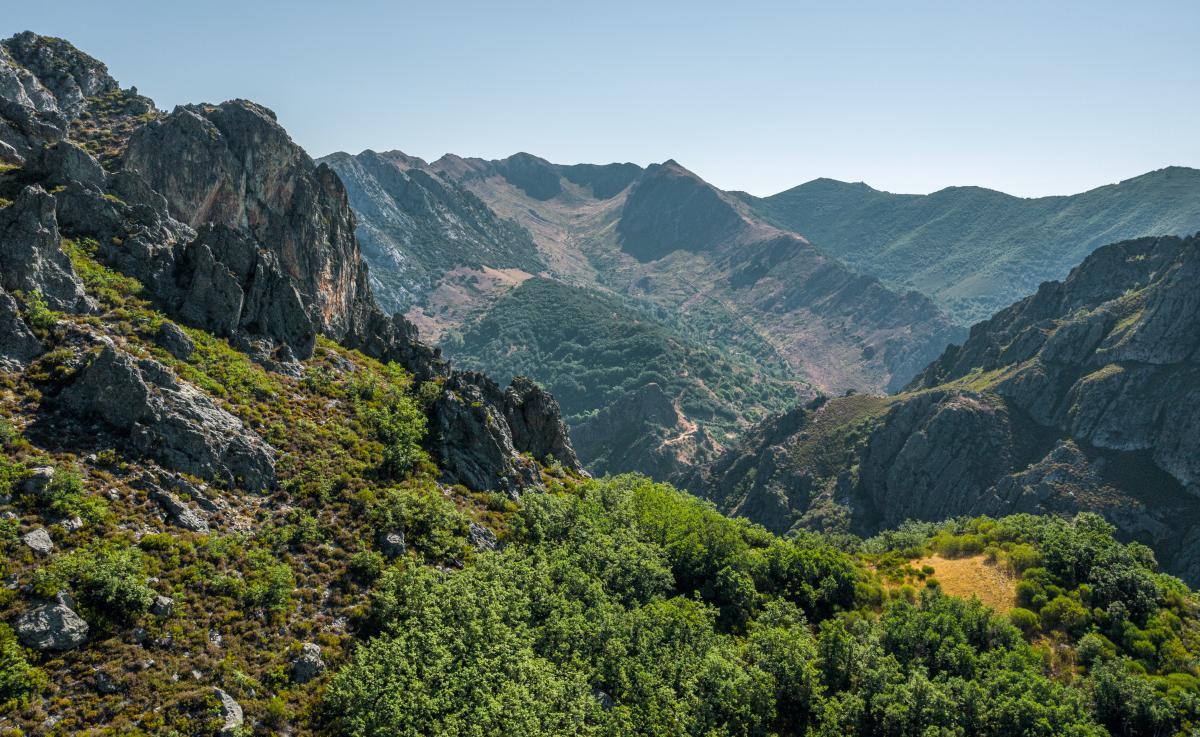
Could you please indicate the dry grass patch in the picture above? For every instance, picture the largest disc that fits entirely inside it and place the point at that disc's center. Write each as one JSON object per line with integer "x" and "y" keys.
{"x": 975, "y": 576}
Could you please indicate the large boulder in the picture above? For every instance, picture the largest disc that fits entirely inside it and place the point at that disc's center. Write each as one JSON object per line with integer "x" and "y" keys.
{"x": 53, "y": 625}
{"x": 32, "y": 259}
{"x": 170, "y": 420}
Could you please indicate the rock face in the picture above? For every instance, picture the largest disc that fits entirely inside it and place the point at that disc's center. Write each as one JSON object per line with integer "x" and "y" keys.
{"x": 18, "y": 344}
{"x": 170, "y": 420}
{"x": 52, "y": 626}
{"x": 232, "y": 166}
{"x": 32, "y": 260}
{"x": 474, "y": 444}
{"x": 1080, "y": 397}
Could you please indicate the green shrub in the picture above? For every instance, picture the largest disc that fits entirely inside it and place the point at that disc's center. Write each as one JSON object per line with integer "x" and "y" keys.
{"x": 432, "y": 525}
{"x": 38, "y": 314}
{"x": 110, "y": 580}
{"x": 1024, "y": 620}
{"x": 18, "y": 680}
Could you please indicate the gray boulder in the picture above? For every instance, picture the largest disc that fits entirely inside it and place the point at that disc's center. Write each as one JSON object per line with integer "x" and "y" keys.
{"x": 52, "y": 626}
{"x": 391, "y": 543}
{"x": 481, "y": 538}
{"x": 163, "y": 606}
{"x": 37, "y": 481}
{"x": 229, "y": 711}
{"x": 179, "y": 512}
{"x": 39, "y": 541}
{"x": 308, "y": 664}
{"x": 170, "y": 420}
{"x": 171, "y": 338}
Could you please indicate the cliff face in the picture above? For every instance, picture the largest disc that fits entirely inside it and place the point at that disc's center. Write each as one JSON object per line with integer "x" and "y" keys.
{"x": 1081, "y": 397}
{"x": 231, "y": 228}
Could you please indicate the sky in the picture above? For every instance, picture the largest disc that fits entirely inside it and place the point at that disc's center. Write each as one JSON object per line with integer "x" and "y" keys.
{"x": 1031, "y": 98}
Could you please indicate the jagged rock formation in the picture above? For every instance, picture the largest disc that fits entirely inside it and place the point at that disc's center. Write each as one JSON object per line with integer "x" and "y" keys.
{"x": 482, "y": 433}
{"x": 974, "y": 250}
{"x": 44, "y": 84}
{"x": 31, "y": 260}
{"x": 1080, "y": 397}
{"x": 231, "y": 228}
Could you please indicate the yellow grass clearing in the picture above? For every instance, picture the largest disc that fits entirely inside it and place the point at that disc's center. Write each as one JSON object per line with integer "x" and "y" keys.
{"x": 974, "y": 576}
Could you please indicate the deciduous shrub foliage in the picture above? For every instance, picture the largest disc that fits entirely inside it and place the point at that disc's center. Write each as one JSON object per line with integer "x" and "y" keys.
{"x": 628, "y": 608}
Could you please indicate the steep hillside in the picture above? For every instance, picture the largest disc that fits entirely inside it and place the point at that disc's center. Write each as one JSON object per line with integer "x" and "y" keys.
{"x": 415, "y": 228}
{"x": 975, "y": 250}
{"x": 1080, "y": 397}
{"x": 637, "y": 394}
{"x": 669, "y": 238}
{"x": 210, "y": 434}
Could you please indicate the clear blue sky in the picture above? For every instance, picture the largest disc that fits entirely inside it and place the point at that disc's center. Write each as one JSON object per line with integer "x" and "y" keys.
{"x": 1027, "y": 97}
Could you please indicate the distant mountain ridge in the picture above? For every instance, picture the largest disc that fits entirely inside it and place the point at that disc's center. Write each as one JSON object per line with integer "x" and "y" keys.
{"x": 1082, "y": 397}
{"x": 975, "y": 250}
{"x": 671, "y": 238}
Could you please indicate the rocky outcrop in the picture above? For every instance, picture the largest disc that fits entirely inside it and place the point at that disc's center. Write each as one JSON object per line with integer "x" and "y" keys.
{"x": 32, "y": 259}
{"x": 18, "y": 344}
{"x": 53, "y": 625}
{"x": 308, "y": 663}
{"x": 486, "y": 438}
{"x": 229, "y": 712}
{"x": 44, "y": 83}
{"x": 535, "y": 423}
{"x": 1081, "y": 397}
{"x": 234, "y": 167}
{"x": 473, "y": 441}
{"x": 169, "y": 420}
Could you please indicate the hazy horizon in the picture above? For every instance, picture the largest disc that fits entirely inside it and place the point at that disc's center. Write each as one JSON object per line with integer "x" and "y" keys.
{"x": 1024, "y": 99}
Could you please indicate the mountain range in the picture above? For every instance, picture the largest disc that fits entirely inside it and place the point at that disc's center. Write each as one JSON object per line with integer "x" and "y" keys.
{"x": 240, "y": 493}
{"x": 972, "y": 250}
